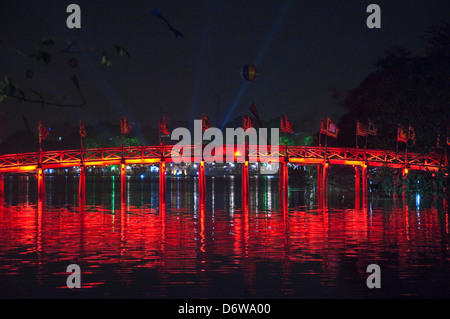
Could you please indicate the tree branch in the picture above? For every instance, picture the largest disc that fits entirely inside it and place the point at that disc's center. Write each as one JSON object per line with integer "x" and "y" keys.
{"x": 43, "y": 102}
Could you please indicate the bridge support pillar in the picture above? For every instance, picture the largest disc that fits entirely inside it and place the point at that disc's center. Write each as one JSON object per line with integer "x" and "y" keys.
{"x": 364, "y": 185}
{"x": 202, "y": 183}
{"x": 123, "y": 182}
{"x": 324, "y": 184}
{"x": 41, "y": 185}
{"x": 284, "y": 179}
{"x": 82, "y": 182}
{"x": 245, "y": 184}
{"x": 162, "y": 182}
{"x": 319, "y": 185}
{"x": 357, "y": 188}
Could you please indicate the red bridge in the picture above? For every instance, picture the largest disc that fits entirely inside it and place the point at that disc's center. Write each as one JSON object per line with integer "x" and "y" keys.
{"x": 321, "y": 157}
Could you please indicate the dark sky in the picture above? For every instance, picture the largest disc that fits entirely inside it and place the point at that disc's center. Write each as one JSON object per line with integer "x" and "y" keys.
{"x": 301, "y": 49}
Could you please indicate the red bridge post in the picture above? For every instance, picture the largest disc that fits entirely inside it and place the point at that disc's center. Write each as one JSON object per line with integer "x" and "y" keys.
{"x": 41, "y": 185}
{"x": 284, "y": 179}
{"x": 364, "y": 185}
{"x": 123, "y": 181}
{"x": 357, "y": 188}
{"x": 202, "y": 182}
{"x": 324, "y": 183}
{"x": 284, "y": 200}
{"x": 82, "y": 182}
{"x": 319, "y": 185}
{"x": 162, "y": 182}
{"x": 245, "y": 184}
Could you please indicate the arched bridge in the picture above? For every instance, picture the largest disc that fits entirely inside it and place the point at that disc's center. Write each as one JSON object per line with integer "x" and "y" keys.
{"x": 322, "y": 157}
{"x": 305, "y": 155}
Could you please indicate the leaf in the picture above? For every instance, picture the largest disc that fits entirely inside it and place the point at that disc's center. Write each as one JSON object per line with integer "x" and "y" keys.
{"x": 121, "y": 51}
{"x": 106, "y": 60}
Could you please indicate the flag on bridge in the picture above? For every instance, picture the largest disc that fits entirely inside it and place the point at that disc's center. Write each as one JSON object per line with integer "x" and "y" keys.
{"x": 402, "y": 134}
{"x": 361, "y": 129}
{"x": 163, "y": 126}
{"x": 205, "y": 123}
{"x": 332, "y": 129}
{"x": 82, "y": 129}
{"x": 253, "y": 109}
{"x": 247, "y": 122}
{"x": 371, "y": 129}
{"x": 323, "y": 127}
{"x": 43, "y": 132}
{"x": 286, "y": 126}
{"x": 125, "y": 127}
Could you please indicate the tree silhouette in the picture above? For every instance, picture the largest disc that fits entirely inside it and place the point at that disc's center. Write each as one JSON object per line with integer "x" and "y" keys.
{"x": 47, "y": 50}
{"x": 405, "y": 89}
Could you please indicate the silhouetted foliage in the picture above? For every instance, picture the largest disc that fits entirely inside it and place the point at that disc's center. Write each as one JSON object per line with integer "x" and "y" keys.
{"x": 404, "y": 89}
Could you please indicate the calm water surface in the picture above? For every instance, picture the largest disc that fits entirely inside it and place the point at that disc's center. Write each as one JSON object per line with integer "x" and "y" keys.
{"x": 135, "y": 249}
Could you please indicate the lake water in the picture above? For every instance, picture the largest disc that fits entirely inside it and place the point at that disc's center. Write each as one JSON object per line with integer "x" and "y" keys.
{"x": 135, "y": 249}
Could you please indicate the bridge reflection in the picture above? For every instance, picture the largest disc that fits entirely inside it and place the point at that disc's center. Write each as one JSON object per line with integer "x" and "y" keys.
{"x": 188, "y": 236}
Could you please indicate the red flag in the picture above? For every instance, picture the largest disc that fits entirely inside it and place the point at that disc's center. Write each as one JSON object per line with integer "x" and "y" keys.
{"x": 371, "y": 129}
{"x": 125, "y": 127}
{"x": 287, "y": 125}
{"x": 332, "y": 129}
{"x": 402, "y": 134}
{"x": 253, "y": 109}
{"x": 82, "y": 129}
{"x": 205, "y": 123}
{"x": 163, "y": 126}
{"x": 361, "y": 129}
{"x": 247, "y": 122}
{"x": 323, "y": 127}
{"x": 43, "y": 131}
{"x": 282, "y": 125}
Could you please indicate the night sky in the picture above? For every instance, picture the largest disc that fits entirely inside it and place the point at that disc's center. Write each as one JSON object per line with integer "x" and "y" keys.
{"x": 302, "y": 49}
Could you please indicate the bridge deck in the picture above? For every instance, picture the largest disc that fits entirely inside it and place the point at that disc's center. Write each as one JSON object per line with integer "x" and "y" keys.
{"x": 303, "y": 155}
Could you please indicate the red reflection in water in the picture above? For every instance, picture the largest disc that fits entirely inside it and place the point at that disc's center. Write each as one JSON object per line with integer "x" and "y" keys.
{"x": 180, "y": 241}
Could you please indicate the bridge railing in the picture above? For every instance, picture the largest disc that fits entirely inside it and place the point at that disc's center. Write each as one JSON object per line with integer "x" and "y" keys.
{"x": 368, "y": 156}
{"x": 190, "y": 153}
